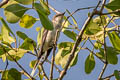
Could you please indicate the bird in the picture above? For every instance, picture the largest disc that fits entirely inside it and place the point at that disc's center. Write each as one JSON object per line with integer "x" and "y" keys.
{"x": 48, "y": 38}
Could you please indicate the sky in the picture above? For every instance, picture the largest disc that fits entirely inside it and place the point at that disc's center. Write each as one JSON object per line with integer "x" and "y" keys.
{"x": 77, "y": 72}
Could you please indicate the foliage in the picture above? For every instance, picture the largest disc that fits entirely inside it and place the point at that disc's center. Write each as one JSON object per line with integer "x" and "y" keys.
{"x": 13, "y": 45}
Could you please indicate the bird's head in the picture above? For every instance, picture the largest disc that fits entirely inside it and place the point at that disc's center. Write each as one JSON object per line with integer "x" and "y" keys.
{"x": 57, "y": 19}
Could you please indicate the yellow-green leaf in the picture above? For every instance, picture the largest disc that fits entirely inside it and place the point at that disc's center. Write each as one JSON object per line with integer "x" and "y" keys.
{"x": 114, "y": 39}
{"x": 27, "y": 21}
{"x": 25, "y": 2}
{"x": 89, "y": 64}
{"x": 32, "y": 63}
{"x": 28, "y": 44}
{"x": 14, "y": 12}
{"x": 6, "y": 37}
{"x": 70, "y": 34}
{"x": 6, "y": 26}
{"x": 17, "y": 54}
{"x": 11, "y": 74}
{"x": 21, "y": 35}
{"x": 9, "y": 3}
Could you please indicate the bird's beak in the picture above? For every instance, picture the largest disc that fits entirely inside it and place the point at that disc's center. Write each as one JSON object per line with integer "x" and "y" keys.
{"x": 63, "y": 13}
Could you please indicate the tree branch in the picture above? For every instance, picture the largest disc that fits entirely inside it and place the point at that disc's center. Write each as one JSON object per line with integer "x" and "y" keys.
{"x": 109, "y": 76}
{"x": 18, "y": 64}
{"x": 79, "y": 39}
{"x": 3, "y": 2}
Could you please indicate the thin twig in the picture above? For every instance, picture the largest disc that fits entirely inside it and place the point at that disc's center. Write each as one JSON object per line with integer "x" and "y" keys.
{"x": 43, "y": 71}
{"x": 79, "y": 39}
{"x": 18, "y": 64}
{"x": 94, "y": 54}
{"x": 5, "y": 66}
{"x": 105, "y": 48}
{"x": 39, "y": 53}
{"x": 103, "y": 4}
{"x": 109, "y": 76}
{"x": 54, "y": 66}
{"x": 53, "y": 57}
{"x": 31, "y": 53}
{"x": 53, "y": 9}
{"x": 35, "y": 49}
{"x": 3, "y": 2}
{"x": 113, "y": 12}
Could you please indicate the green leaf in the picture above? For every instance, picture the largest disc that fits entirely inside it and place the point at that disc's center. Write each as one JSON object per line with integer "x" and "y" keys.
{"x": 16, "y": 54}
{"x": 97, "y": 45}
{"x": 74, "y": 21}
{"x": 41, "y": 77}
{"x": 21, "y": 35}
{"x": 89, "y": 64}
{"x": 47, "y": 24}
{"x": 6, "y": 35}
{"x": 6, "y": 44}
{"x": 113, "y": 5}
{"x": 28, "y": 44}
{"x": 117, "y": 74}
{"x": 65, "y": 44}
{"x": 6, "y": 26}
{"x": 64, "y": 53}
{"x": 25, "y": 2}
{"x": 58, "y": 56}
{"x": 14, "y": 12}
{"x": 114, "y": 39}
{"x": 111, "y": 55}
{"x": 11, "y": 74}
{"x": 5, "y": 76}
{"x": 100, "y": 20}
{"x": 45, "y": 7}
{"x": 10, "y": 2}
{"x": 70, "y": 34}
{"x": 2, "y": 48}
{"x": 65, "y": 23}
{"x": 62, "y": 60}
{"x": 27, "y": 21}
{"x": 32, "y": 63}
{"x": 92, "y": 28}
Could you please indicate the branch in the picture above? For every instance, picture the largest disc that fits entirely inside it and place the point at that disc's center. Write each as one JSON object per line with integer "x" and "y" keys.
{"x": 53, "y": 57}
{"x": 54, "y": 66}
{"x": 44, "y": 74}
{"x": 18, "y": 64}
{"x": 94, "y": 54}
{"x": 109, "y": 76}
{"x": 103, "y": 4}
{"x": 53, "y": 9}
{"x": 79, "y": 39}
{"x": 3, "y": 2}
{"x": 105, "y": 50}
{"x": 39, "y": 53}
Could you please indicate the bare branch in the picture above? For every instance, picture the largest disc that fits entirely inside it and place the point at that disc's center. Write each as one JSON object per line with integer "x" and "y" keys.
{"x": 53, "y": 57}
{"x": 103, "y": 4}
{"x": 54, "y": 66}
{"x": 18, "y": 64}
{"x": 44, "y": 74}
{"x": 3, "y": 2}
{"x": 109, "y": 76}
{"x": 79, "y": 39}
{"x": 94, "y": 54}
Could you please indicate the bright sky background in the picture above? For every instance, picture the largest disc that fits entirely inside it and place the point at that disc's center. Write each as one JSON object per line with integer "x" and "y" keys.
{"x": 77, "y": 72}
